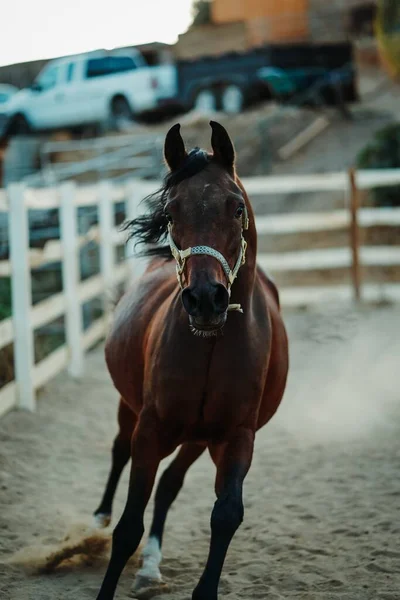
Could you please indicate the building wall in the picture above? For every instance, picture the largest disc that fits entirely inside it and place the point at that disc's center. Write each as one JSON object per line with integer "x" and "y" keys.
{"x": 210, "y": 40}
{"x": 228, "y": 11}
{"x": 266, "y": 20}
{"x": 289, "y": 20}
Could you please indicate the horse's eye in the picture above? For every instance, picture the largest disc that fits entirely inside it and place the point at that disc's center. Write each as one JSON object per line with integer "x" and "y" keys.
{"x": 239, "y": 212}
{"x": 168, "y": 217}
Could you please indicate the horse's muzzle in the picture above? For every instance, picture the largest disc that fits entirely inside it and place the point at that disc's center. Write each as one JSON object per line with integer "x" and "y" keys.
{"x": 207, "y": 305}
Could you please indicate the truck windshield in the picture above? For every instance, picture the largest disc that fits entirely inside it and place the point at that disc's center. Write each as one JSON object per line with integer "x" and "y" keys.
{"x": 48, "y": 79}
{"x": 98, "y": 67}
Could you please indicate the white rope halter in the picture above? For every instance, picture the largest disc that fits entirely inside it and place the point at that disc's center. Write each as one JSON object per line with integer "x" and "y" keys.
{"x": 182, "y": 255}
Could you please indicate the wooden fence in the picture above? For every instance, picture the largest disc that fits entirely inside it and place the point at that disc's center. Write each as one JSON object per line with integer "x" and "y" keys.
{"x": 17, "y": 200}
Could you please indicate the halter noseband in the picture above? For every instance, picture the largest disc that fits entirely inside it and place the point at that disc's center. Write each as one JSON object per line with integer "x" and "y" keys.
{"x": 182, "y": 255}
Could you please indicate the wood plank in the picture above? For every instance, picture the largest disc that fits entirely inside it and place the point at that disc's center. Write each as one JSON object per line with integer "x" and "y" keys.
{"x": 48, "y": 310}
{"x": 301, "y": 222}
{"x": 50, "y": 366}
{"x": 21, "y": 297}
{"x": 92, "y": 287}
{"x": 331, "y": 258}
{"x": 293, "y": 184}
{"x": 42, "y": 313}
{"x": 42, "y": 198}
{"x": 304, "y": 137}
{"x": 371, "y": 217}
{"x": 52, "y": 250}
{"x": 354, "y": 231}
{"x": 8, "y": 398}
{"x": 325, "y": 221}
{"x": 71, "y": 278}
{"x": 374, "y": 178}
{"x": 86, "y": 195}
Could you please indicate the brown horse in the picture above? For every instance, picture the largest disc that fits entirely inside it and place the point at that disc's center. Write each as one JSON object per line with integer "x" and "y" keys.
{"x": 210, "y": 390}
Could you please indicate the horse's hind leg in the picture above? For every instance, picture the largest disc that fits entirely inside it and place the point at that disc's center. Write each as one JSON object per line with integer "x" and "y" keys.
{"x": 120, "y": 456}
{"x": 168, "y": 488}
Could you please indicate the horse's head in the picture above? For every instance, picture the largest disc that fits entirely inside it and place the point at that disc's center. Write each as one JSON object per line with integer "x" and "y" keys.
{"x": 206, "y": 214}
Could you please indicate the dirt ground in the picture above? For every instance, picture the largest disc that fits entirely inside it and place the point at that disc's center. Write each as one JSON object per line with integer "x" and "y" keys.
{"x": 322, "y": 500}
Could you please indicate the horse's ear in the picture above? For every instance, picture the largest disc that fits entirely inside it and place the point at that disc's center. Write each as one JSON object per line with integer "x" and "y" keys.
{"x": 174, "y": 148}
{"x": 222, "y": 146}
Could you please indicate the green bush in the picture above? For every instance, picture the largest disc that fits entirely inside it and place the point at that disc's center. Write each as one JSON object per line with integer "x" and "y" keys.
{"x": 383, "y": 153}
{"x": 388, "y": 34}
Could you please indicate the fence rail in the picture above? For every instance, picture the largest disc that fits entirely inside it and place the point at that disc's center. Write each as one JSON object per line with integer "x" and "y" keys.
{"x": 17, "y": 200}
{"x": 19, "y": 329}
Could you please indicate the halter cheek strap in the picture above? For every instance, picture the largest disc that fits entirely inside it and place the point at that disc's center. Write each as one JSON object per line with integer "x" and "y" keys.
{"x": 182, "y": 255}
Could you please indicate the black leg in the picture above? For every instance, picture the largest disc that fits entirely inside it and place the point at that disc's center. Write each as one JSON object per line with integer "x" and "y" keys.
{"x": 121, "y": 453}
{"x": 232, "y": 466}
{"x": 170, "y": 484}
{"x": 146, "y": 452}
{"x": 120, "y": 456}
{"x": 168, "y": 488}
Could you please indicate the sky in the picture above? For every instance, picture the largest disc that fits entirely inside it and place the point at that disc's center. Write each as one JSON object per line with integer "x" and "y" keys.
{"x": 34, "y": 29}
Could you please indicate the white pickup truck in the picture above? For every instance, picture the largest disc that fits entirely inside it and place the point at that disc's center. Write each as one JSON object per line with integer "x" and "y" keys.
{"x": 92, "y": 88}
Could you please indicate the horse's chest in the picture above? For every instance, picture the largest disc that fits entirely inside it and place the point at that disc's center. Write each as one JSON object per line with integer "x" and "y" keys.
{"x": 206, "y": 388}
{"x": 203, "y": 405}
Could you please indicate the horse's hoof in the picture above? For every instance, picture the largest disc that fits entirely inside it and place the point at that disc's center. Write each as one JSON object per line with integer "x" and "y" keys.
{"x": 143, "y": 586}
{"x": 102, "y": 520}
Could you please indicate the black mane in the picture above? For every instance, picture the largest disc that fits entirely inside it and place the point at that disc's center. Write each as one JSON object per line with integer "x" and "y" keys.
{"x": 151, "y": 228}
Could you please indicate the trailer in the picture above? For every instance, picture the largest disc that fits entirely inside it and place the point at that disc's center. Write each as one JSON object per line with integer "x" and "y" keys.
{"x": 231, "y": 81}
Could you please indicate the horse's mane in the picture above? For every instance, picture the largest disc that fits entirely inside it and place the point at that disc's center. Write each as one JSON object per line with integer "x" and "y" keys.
{"x": 150, "y": 229}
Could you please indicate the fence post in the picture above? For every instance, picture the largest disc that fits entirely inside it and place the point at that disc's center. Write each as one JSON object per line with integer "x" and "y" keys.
{"x": 71, "y": 279}
{"x": 21, "y": 296}
{"x": 107, "y": 249}
{"x": 355, "y": 235}
{"x": 135, "y": 195}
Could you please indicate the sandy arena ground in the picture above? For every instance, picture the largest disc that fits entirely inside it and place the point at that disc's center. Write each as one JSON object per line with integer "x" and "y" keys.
{"x": 322, "y": 501}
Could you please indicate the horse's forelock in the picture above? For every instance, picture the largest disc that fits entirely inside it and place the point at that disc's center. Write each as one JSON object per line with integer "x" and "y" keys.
{"x": 151, "y": 228}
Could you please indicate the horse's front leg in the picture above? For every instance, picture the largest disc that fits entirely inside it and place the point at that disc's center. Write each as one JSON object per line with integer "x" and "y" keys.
{"x": 168, "y": 488}
{"x": 148, "y": 448}
{"x": 233, "y": 462}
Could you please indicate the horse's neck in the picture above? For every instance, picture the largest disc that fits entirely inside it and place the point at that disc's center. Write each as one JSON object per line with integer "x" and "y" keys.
{"x": 243, "y": 288}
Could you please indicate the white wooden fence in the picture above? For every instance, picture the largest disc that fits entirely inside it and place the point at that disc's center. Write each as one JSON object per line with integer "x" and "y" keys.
{"x": 17, "y": 200}
{"x": 19, "y": 329}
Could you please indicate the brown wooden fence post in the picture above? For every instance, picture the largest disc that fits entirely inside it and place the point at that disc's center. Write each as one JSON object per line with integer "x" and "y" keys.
{"x": 355, "y": 235}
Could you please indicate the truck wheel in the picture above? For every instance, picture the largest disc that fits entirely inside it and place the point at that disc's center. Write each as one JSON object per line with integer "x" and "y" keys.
{"x": 205, "y": 101}
{"x": 232, "y": 100}
{"x": 121, "y": 114}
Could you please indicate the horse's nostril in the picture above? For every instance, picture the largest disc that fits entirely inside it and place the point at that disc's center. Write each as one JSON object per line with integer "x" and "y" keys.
{"x": 190, "y": 301}
{"x": 221, "y": 298}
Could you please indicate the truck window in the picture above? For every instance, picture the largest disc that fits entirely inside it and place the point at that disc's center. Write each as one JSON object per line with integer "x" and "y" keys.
{"x": 107, "y": 65}
{"x": 49, "y": 78}
{"x": 70, "y": 71}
